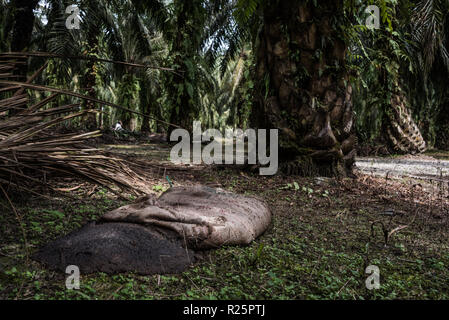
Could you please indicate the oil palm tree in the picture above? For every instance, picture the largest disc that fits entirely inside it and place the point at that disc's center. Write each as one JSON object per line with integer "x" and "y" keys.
{"x": 430, "y": 29}
{"x": 6, "y": 25}
{"x": 23, "y": 23}
{"x": 108, "y": 29}
{"x": 384, "y": 58}
{"x": 302, "y": 85}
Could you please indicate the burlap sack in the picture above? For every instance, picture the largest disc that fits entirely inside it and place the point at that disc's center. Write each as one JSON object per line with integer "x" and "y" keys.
{"x": 202, "y": 216}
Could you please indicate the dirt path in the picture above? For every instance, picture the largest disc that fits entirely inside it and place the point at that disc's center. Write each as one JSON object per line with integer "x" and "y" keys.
{"x": 420, "y": 167}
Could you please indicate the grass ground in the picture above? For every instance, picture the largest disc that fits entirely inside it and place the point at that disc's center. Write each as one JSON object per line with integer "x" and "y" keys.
{"x": 324, "y": 234}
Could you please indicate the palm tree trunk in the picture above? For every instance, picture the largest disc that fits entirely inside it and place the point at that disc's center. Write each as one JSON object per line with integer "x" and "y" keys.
{"x": 442, "y": 127}
{"x": 23, "y": 27}
{"x": 179, "y": 97}
{"x": 128, "y": 96}
{"x": 400, "y": 130}
{"x": 145, "y": 128}
{"x": 303, "y": 87}
{"x": 21, "y": 34}
{"x": 89, "y": 79}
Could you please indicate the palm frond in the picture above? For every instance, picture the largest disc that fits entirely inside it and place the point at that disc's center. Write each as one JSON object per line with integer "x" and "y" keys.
{"x": 429, "y": 20}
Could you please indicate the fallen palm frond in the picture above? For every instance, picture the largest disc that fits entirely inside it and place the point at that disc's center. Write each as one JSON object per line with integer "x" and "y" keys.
{"x": 32, "y": 151}
{"x": 14, "y": 84}
{"x": 24, "y": 55}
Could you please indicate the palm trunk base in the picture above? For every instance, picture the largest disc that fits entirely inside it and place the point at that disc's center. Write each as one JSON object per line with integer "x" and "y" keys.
{"x": 401, "y": 131}
{"x": 302, "y": 87}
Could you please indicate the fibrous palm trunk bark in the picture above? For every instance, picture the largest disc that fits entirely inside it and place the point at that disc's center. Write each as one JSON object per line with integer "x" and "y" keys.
{"x": 401, "y": 131}
{"x": 303, "y": 86}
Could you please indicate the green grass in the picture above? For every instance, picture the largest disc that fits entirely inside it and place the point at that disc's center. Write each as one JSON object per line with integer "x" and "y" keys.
{"x": 317, "y": 247}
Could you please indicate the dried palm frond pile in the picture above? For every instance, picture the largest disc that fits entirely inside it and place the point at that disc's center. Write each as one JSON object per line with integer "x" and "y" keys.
{"x": 32, "y": 151}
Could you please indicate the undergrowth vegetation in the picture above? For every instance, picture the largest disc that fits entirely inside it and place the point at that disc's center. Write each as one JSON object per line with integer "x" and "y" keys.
{"x": 322, "y": 238}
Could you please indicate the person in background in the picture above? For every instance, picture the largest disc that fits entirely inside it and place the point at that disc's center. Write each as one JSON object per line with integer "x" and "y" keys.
{"x": 118, "y": 126}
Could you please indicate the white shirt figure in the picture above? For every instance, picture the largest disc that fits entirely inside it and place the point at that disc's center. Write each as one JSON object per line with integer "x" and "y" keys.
{"x": 118, "y": 127}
